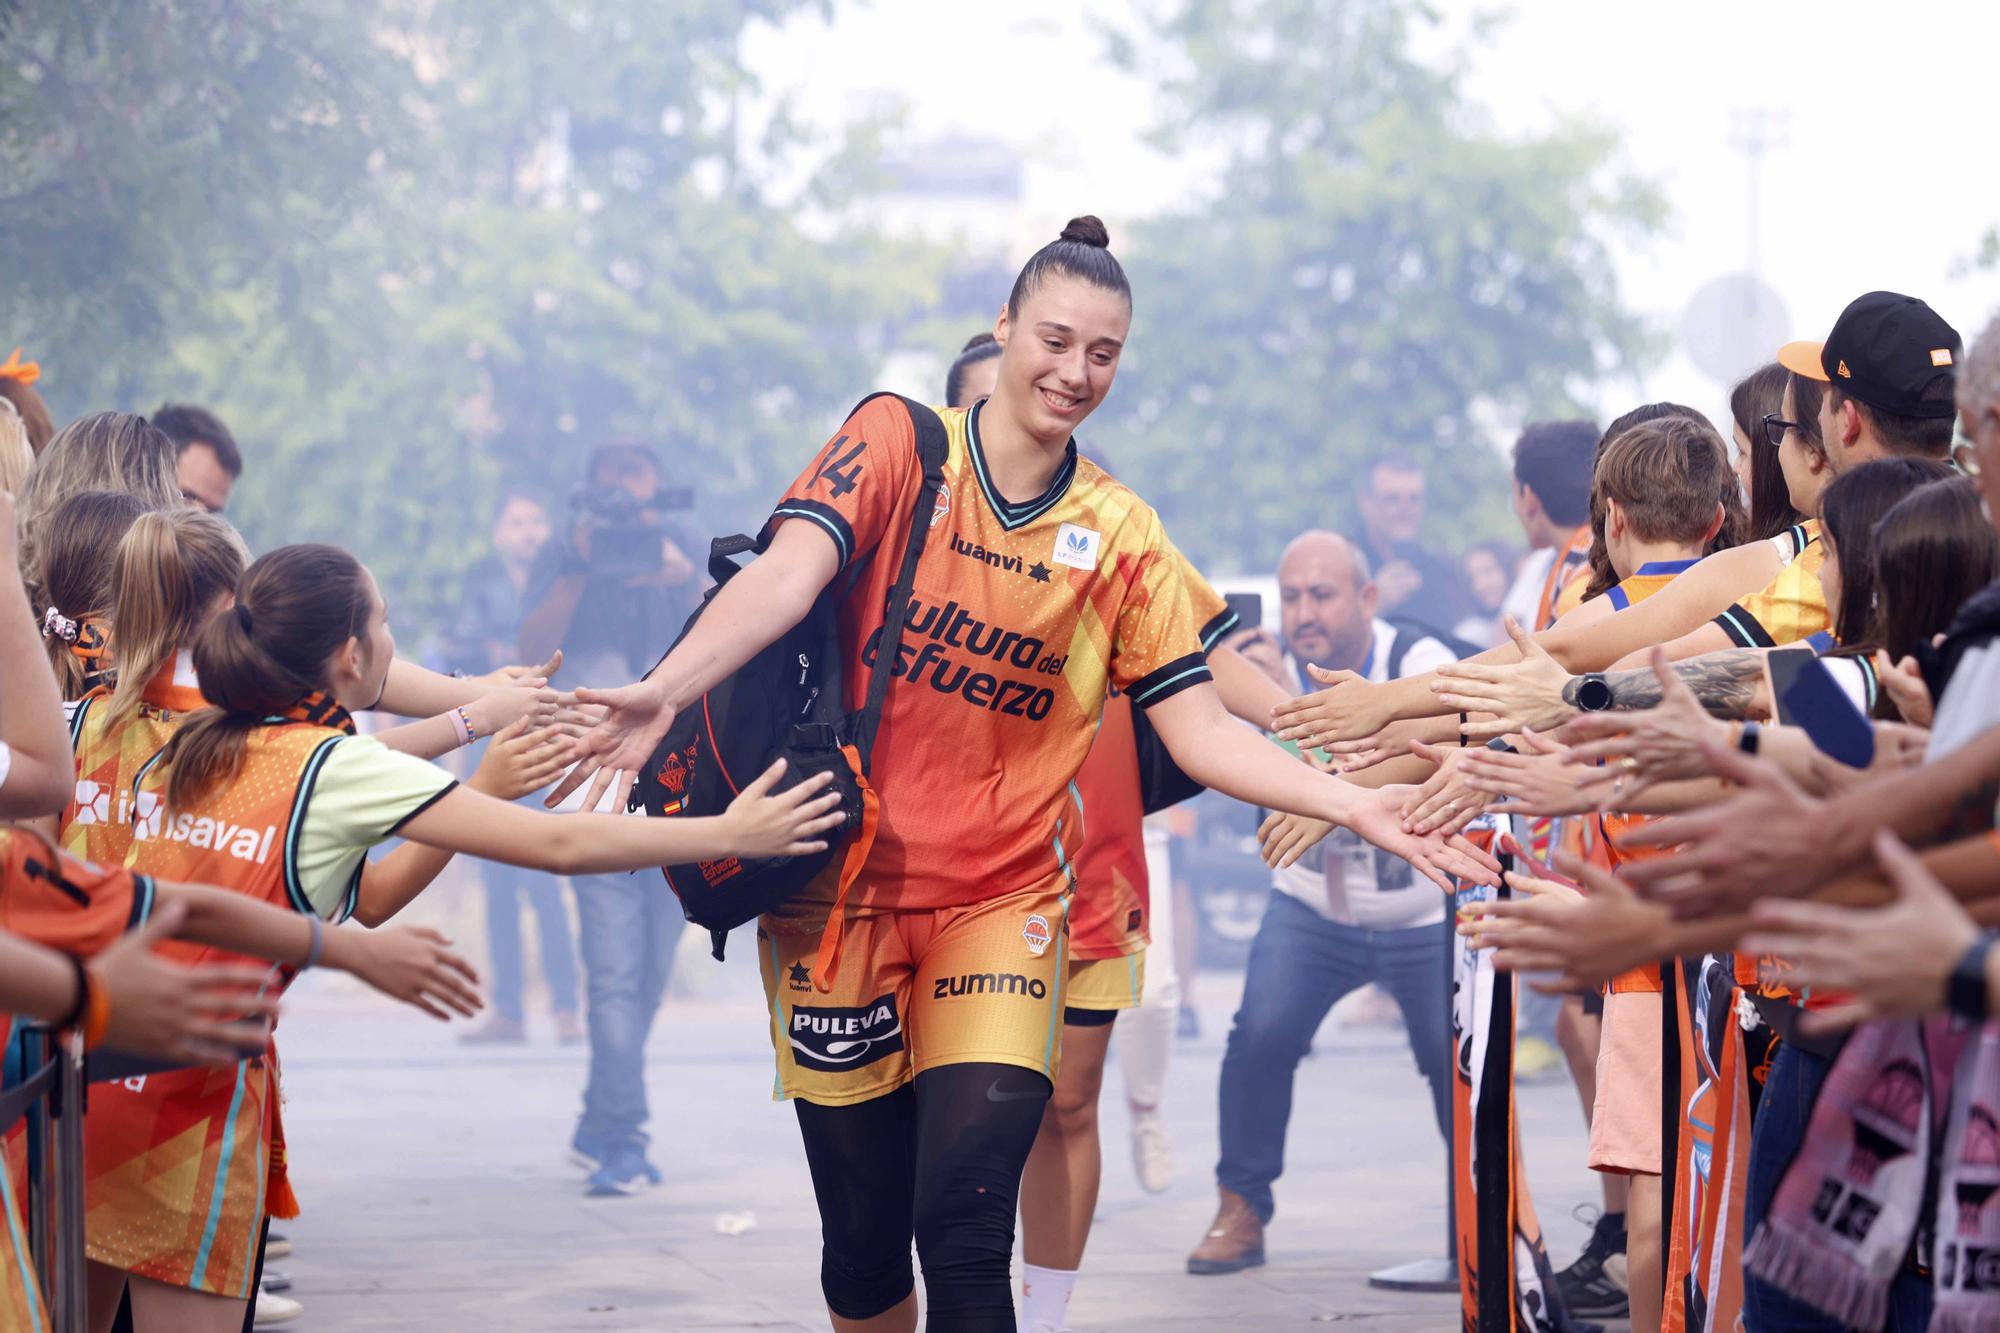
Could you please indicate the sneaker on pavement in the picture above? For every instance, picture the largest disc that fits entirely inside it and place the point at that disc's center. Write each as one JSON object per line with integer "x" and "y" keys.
{"x": 1594, "y": 1286}
{"x": 277, "y": 1245}
{"x": 275, "y": 1309}
{"x": 625, "y": 1172}
{"x": 276, "y": 1279}
{"x": 496, "y": 1031}
{"x": 1152, "y": 1151}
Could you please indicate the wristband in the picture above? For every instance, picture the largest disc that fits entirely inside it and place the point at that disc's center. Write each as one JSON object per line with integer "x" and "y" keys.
{"x": 1965, "y": 991}
{"x": 81, "y": 1004}
{"x": 97, "y": 1014}
{"x": 1752, "y": 733}
{"x": 1462, "y": 740}
{"x": 318, "y": 941}
{"x": 461, "y": 723}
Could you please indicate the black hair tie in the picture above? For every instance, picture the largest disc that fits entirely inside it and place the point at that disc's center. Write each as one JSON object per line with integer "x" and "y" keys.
{"x": 243, "y": 617}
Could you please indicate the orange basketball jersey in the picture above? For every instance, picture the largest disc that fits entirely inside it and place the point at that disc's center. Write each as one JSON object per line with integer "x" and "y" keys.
{"x": 1024, "y": 614}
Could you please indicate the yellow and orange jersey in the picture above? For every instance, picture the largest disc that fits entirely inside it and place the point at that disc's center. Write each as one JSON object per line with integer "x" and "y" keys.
{"x": 1109, "y": 918}
{"x": 1024, "y": 614}
{"x": 1569, "y": 576}
{"x": 97, "y": 823}
{"x": 1792, "y": 607}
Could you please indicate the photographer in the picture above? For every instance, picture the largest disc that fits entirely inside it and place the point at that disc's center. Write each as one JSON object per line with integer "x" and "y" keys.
{"x": 609, "y": 592}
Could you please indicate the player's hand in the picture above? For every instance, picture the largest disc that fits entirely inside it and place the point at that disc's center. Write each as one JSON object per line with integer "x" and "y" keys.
{"x": 1528, "y": 692}
{"x": 414, "y": 964}
{"x": 521, "y": 759}
{"x": 1892, "y": 961}
{"x": 1379, "y": 819}
{"x": 1391, "y": 742}
{"x": 1348, "y": 709}
{"x": 1904, "y": 683}
{"x": 787, "y": 824}
{"x": 213, "y": 1014}
{"x": 1283, "y": 838}
{"x": 635, "y": 719}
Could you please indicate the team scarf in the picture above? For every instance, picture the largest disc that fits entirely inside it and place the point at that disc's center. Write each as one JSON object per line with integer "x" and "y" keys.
{"x": 1967, "y": 1230}
{"x": 1851, "y": 1203}
{"x": 1506, "y": 1283}
{"x": 1710, "y": 1063}
{"x": 320, "y": 709}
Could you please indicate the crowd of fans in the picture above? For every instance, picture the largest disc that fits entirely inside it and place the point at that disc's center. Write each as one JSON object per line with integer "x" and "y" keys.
{"x": 1730, "y": 725}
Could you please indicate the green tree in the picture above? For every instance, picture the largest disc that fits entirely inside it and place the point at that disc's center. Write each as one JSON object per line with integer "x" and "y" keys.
{"x": 1376, "y": 271}
{"x": 531, "y": 232}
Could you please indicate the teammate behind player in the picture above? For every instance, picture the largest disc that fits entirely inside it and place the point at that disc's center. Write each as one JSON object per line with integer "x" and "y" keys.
{"x": 921, "y": 1077}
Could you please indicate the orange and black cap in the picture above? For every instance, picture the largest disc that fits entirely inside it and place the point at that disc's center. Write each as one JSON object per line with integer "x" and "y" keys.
{"x": 1886, "y": 350}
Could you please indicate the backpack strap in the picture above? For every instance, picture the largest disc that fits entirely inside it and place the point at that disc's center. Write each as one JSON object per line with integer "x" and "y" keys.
{"x": 932, "y": 444}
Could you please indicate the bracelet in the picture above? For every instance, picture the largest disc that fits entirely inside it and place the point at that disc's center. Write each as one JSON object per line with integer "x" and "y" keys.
{"x": 97, "y": 1016}
{"x": 74, "y": 1014}
{"x": 1748, "y": 738}
{"x": 318, "y": 941}
{"x": 461, "y": 723}
{"x": 1462, "y": 741}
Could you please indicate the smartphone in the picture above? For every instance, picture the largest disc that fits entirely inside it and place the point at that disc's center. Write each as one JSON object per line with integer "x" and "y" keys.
{"x": 1249, "y": 608}
{"x": 1816, "y": 704}
{"x": 1781, "y": 668}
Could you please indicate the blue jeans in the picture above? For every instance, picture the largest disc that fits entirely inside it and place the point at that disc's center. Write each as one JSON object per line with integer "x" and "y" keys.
{"x": 505, "y": 886}
{"x": 628, "y": 926}
{"x": 1783, "y": 1113}
{"x": 1300, "y": 965}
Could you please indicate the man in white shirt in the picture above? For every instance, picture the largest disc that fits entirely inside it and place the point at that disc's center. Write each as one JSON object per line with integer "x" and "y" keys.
{"x": 1343, "y": 917}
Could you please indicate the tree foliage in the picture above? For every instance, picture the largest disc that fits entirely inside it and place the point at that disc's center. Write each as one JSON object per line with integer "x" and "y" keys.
{"x": 1378, "y": 272}
{"x": 413, "y": 250}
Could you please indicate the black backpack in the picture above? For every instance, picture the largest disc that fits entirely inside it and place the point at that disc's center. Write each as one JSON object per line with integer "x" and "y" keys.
{"x": 786, "y": 702}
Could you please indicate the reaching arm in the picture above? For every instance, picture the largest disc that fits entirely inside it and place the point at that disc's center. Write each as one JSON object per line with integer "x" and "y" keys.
{"x": 42, "y": 772}
{"x": 1216, "y": 752}
{"x": 1246, "y": 691}
{"x": 756, "y": 824}
{"x": 414, "y": 691}
{"x": 772, "y": 594}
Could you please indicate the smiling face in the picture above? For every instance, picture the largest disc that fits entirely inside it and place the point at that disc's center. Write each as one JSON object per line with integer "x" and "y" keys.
{"x": 1060, "y": 354}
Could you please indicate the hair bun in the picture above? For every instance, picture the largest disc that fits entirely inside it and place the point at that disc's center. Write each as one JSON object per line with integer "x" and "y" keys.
{"x": 1087, "y": 230}
{"x": 977, "y": 341}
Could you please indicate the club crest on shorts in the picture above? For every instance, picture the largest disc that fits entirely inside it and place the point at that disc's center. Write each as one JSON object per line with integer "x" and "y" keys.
{"x": 1076, "y": 547}
{"x": 1036, "y": 932}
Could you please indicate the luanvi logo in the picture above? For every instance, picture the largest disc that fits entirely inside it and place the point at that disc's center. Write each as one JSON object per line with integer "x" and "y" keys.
{"x": 998, "y": 559}
{"x": 833, "y": 1038}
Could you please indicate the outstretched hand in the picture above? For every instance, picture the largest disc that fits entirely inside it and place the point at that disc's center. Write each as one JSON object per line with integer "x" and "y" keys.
{"x": 787, "y": 824}
{"x": 636, "y": 718}
{"x": 1527, "y": 693}
{"x": 1349, "y": 708}
{"x": 211, "y": 1014}
{"x": 1436, "y": 856}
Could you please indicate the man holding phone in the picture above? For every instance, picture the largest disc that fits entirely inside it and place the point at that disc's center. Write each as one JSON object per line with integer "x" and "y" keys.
{"x": 1341, "y": 918}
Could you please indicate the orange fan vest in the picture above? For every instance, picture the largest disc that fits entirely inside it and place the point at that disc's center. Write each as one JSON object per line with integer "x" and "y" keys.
{"x": 183, "y": 1166}
{"x": 97, "y": 823}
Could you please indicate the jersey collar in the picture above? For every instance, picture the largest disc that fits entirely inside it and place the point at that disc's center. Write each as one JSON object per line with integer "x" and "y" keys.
{"x": 1667, "y": 566}
{"x": 1013, "y": 515}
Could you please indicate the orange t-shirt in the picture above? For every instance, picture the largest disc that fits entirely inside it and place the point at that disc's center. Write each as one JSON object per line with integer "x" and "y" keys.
{"x": 1022, "y": 617}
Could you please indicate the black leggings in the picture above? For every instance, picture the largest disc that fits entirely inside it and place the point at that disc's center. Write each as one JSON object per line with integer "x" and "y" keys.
{"x": 938, "y": 1160}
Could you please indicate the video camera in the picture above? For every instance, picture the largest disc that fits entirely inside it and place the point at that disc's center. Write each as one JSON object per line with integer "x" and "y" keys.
{"x": 626, "y": 532}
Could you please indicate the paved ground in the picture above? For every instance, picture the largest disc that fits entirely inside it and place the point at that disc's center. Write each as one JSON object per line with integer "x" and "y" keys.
{"x": 436, "y": 1196}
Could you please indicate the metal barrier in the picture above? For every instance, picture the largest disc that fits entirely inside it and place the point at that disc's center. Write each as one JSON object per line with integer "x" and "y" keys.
{"x": 51, "y": 1101}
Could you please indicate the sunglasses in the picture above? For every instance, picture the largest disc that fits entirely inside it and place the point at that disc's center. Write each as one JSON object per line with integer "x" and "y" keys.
{"x": 1775, "y": 427}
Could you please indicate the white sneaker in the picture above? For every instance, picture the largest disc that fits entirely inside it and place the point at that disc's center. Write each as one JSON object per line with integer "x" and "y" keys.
{"x": 275, "y": 1309}
{"x": 1152, "y": 1152}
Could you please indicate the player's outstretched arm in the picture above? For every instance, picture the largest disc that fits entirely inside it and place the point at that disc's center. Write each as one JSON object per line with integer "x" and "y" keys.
{"x": 1216, "y": 752}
